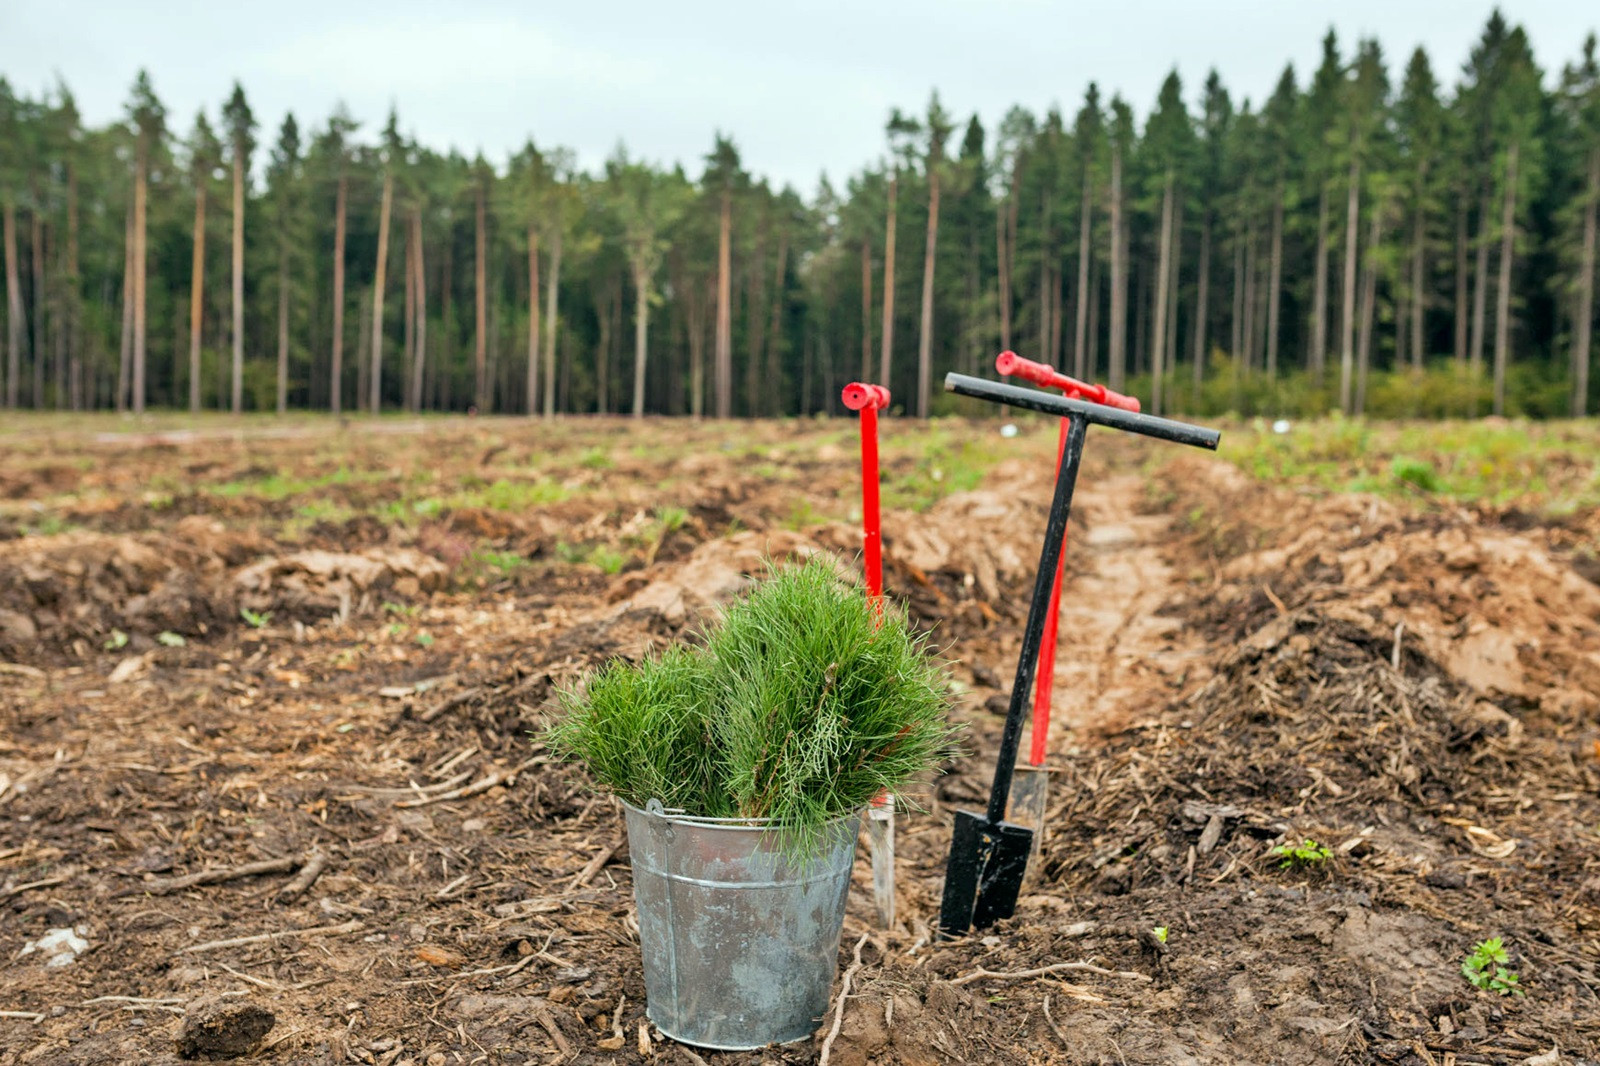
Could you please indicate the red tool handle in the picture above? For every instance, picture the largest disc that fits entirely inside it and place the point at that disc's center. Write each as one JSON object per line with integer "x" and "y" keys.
{"x": 869, "y": 400}
{"x": 859, "y": 397}
{"x": 1044, "y": 681}
{"x": 1013, "y": 365}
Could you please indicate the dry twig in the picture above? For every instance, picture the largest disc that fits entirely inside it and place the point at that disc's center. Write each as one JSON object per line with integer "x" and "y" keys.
{"x": 844, "y": 992}
{"x": 167, "y": 886}
{"x": 263, "y": 938}
{"x": 307, "y": 876}
{"x": 980, "y": 974}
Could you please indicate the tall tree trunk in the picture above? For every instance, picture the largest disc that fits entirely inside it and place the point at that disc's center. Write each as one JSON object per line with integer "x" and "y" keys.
{"x": 602, "y": 383}
{"x": 1003, "y": 266}
{"x": 1095, "y": 281}
{"x": 74, "y": 297}
{"x": 1319, "y": 299}
{"x": 1119, "y": 278}
{"x": 283, "y": 323}
{"x": 1170, "y": 356}
{"x": 408, "y": 317}
{"x": 1158, "y": 348}
{"x": 533, "y": 320}
{"x": 1275, "y": 284}
{"x": 480, "y": 351}
{"x": 723, "y": 370}
{"x": 197, "y": 285}
{"x": 336, "y": 366}
{"x": 1480, "y": 297}
{"x": 756, "y": 322}
{"x": 1055, "y": 316}
{"x": 866, "y": 311}
{"x": 1369, "y": 307}
{"x": 774, "y": 372}
{"x": 551, "y": 292}
{"x": 697, "y": 350}
{"x": 125, "y": 351}
{"x": 1419, "y": 296}
{"x": 884, "y": 363}
{"x": 375, "y": 375}
{"x": 1250, "y": 272}
{"x": 140, "y": 194}
{"x": 925, "y": 339}
{"x": 40, "y": 347}
{"x": 14, "y": 309}
{"x": 1461, "y": 316}
{"x": 418, "y": 367}
{"x": 238, "y": 282}
{"x": 1583, "y": 320}
{"x": 1202, "y": 305}
{"x": 641, "y": 334}
{"x": 1347, "y": 308}
{"x": 1236, "y": 321}
{"x": 1502, "y": 311}
{"x": 1080, "y": 352}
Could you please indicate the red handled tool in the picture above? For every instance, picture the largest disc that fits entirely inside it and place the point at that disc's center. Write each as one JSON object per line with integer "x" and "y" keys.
{"x": 1031, "y": 796}
{"x": 869, "y": 400}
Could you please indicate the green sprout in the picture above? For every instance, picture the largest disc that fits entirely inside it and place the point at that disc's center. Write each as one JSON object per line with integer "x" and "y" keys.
{"x": 1305, "y": 855}
{"x": 1161, "y": 933}
{"x": 425, "y": 639}
{"x": 1485, "y": 967}
{"x": 117, "y": 640}
{"x": 255, "y": 619}
{"x": 168, "y": 639}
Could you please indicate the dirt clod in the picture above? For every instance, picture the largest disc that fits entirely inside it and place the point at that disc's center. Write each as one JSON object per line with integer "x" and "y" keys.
{"x": 223, "y": 1029}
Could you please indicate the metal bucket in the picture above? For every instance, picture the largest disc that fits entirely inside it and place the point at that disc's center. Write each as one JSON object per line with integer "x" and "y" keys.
{"x": 740, "y": 943}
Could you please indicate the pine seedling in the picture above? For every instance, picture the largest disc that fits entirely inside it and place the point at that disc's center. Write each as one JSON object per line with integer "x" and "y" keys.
{"x": 805, "y": 703}
{"x": 825, "y": 704}
{"x": 644, "y": 731}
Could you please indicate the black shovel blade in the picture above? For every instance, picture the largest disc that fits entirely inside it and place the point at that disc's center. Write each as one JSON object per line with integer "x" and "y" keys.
{"x": 984, "y": 875}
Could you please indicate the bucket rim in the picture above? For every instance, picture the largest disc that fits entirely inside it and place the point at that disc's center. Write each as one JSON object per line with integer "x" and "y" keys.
{"x": 654, "y": 809}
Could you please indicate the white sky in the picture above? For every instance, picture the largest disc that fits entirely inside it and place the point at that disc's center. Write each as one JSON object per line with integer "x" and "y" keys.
{"x": 802, "y": 86}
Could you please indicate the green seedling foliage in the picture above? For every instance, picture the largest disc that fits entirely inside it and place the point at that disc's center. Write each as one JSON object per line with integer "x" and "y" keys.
{"x": 1161, "y": 933}
{"x": 671, "y": 519}
{"x": 1304, "y": 855}
{"x": 1485, "y": 968}
{"x": 117, "y": 640}
{"x": 168, "y": 639}
{"x": 799, "y": 708}
{"x": 644, "y": 731}
{"x": 255, "y": 619}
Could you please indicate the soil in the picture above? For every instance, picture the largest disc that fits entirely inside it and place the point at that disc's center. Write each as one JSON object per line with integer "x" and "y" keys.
{"x": 231, "y": 661}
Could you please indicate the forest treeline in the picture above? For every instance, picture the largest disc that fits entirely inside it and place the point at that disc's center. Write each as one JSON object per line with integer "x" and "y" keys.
{"x": 1363, "y": 239}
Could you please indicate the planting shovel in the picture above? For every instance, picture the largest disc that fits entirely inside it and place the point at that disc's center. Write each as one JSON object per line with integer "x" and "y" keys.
{"x": 1030, "y": 789}
{"x": 869, "y": 400}
{"x": 988, "y": 855}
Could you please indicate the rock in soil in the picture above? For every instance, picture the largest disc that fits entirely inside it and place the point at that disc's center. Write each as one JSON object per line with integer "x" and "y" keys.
{"x": 224, "y": 1029}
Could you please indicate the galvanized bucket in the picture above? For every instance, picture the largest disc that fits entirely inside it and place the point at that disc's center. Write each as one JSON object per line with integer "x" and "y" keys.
{"x": 740, "y": 943}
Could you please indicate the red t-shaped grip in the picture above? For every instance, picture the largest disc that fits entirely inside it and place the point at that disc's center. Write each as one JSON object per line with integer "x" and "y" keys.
{"x": 869, "y": 400}
{"x": 859, "y": 396}
{"x": 1013, "y": 365}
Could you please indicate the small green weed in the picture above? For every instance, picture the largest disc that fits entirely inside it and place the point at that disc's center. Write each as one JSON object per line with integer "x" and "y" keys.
{"x": 671, "y": 519}
{"x": 255, "y": 619}
{"x": 597, "y": 459}
{"x": 1161, "y": 933}
{"x": 1418, "y": 473}
{"x": 1304, "y": 855}
{"x": 168, "y": 639}
{"x": 117, "y": 640}
{"x": 425, "y": 639}
{"x": 1485, "y": 968}
{"x": 607, "y": 558}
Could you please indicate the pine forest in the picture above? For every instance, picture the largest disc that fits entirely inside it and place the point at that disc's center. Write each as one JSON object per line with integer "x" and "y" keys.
{"x": 1378, "y": 236}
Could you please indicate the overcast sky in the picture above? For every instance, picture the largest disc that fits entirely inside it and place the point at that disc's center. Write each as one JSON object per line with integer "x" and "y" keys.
{"x": 803, "y": 87}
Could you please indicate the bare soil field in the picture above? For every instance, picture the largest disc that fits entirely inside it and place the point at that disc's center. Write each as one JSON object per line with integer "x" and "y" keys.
{"x": 270, "y": 706}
